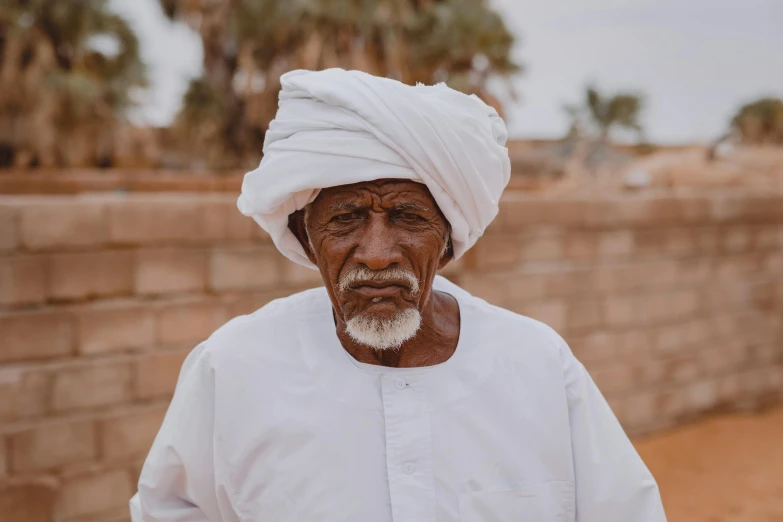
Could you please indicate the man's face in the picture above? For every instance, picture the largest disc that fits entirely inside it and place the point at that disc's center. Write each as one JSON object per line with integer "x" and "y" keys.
{"x": 378, "y": 246}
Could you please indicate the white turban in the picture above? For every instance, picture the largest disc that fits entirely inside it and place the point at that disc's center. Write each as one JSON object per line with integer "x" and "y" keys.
{"x": 337, "y": 127}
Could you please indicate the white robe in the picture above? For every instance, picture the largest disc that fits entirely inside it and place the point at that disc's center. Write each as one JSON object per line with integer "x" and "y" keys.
{"x": 273, "y": 421}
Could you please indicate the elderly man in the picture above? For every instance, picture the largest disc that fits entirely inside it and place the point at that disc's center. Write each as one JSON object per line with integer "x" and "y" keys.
{"x": 389, "y": 394}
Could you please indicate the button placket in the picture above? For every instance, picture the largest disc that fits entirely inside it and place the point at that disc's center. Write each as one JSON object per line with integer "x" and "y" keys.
{"x": 408, "y": 451}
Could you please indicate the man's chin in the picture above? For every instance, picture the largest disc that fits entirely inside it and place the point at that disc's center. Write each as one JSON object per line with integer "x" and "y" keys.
{"x": 382, "y": 331}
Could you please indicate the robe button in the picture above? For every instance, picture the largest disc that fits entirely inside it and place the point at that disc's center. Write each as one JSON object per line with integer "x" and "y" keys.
{"x": 400, "y": 384}
{"x": 408, "y": 468}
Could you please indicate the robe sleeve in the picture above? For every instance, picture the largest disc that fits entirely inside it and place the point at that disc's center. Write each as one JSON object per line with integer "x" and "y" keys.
{"x": 612, "y": 482}
{"x": 178, "y": 481}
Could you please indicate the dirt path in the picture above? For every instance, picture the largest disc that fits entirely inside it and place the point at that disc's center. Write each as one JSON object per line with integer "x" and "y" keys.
{"x": 727, "y": 469}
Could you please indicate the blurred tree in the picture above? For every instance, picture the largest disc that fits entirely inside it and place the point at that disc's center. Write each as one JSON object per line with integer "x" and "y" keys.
{"x": 760, "y": 121}
{"x": 600, "y": 114}
{"x": 249, "y": 44}
{"x": 67, "y": 72}
{"x": 586, "y": 148}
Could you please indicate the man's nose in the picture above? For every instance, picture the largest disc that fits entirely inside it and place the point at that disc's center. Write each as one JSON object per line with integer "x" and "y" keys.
{"x": 378, "y": 246}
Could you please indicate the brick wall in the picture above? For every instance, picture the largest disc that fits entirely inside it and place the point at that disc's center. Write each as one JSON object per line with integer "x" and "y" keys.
{"x": 673, "y": 303}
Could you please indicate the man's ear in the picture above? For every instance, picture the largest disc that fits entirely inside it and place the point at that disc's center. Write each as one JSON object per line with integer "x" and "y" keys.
{"x": 448, "y": 255}
{"x": 296, "y": 224}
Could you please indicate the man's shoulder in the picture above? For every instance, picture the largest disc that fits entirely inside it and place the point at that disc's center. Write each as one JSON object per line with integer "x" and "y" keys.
{"x": 273, "y": 324}
{"x": 512, "y": 333}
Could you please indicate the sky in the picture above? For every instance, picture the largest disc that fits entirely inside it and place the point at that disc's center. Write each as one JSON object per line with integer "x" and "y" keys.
{"x": 695, "y": 61}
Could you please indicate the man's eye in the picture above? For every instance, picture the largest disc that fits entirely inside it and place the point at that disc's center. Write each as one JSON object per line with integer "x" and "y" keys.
{"x": 409, "y": 216}
{"x": 346, "y": 218}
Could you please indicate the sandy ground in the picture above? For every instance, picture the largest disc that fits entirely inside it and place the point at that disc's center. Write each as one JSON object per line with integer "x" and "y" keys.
{"x": 726, "y": 469}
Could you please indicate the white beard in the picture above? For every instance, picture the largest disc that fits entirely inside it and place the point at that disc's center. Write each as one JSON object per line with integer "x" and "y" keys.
{"x": 382, "y": 334}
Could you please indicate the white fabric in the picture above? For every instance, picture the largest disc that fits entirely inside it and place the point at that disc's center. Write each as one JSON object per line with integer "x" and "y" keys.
{"x": 273, "y": 421}
{"x": 339, "y": 127}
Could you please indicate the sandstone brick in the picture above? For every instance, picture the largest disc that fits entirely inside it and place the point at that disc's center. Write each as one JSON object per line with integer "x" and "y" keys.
{"x": 27, "y": 502}
{"x": 156, "y": 219}
{"x": 239, "y": 226}
{"x": 663, "y": 307}
{"x": 61, "y": 222}
{"x": 683, "y": 369}
{"x": 171, "y": 271}
{"x": 670, "y": 339}
{"x": 116, "y": 514}
{"x": 766, "y": 237}
{"x": 3, "y": 462}
{"x": 657, "y": 275}
{"x": 23, "y": 393}
{"x": 244, "y": 268}
{"x": 763, "y": 295}
{"x": 639, "y": 410}
{"x": 642, "y": 210}
{"x": 723, "y": 355}
{"x": 188, "y": 322}
{"x": 736, "y": 239}
{"x": 728, "y": 388}
{"x": 595, "y": 347}
{"x": 214, "y": 212}
{"x": 615, "y": 243}
{"x": 565, "y": 283}
{"x": 116, "y": 327}
{"x": 92, "y": 386}
{"x": 695, "y": 209}
{"x": 650, "y": 242}
{"x": 684, "y": 303}
{"x": 583, "y": 314}
{"x": 692, "y": 272}
{"x": 156, "y": 374}
{"x": 518, "y": 210}
{"x": 35, "y": 335}
{"x": 706, "y": 240}
{"x": 8, "y": 235}
{"x": 90, "y": 274}
{"x": 634, "y": 345}
{"x": 493, "y": 289}
{"x": 698, "y": 332}
{"x": 298, "y": 275}
{"x": 94, "y": 493}
{"x": 679, "y": 242}
{"x": 621, "y": 310}
{"x": 22, "y": 280}
{"x": 552, "y": 313}
{"x": 613, "y": 379}
{"x": 669, "y": 405}
{"x": 526, "y": 287}
{"x": 735, "y": 267}
{"x": 52, "y": 445}
{"x": 650, "y": 373}
{"x": 617, "y": 278}
{"x": 492, "y": 252}
{"x": 580, "y": 245}
{"x": 249, "y": 303}
{"x": 130, "y": 436}
{"x": 541, "y": 247}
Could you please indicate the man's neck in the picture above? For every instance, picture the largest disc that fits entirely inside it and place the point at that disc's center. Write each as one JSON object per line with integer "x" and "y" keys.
{"x": 434, "y": 343}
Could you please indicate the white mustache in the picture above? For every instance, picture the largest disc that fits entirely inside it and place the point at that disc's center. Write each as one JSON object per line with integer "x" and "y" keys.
{"x": 357, "y": 276}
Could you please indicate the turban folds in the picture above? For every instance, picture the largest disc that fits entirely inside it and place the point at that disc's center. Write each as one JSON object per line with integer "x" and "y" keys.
{"x": 337, "y": 127}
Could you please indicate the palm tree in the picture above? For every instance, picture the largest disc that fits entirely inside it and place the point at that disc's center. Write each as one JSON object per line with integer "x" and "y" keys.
{"x": 586, "y": 146}
{"x": 601, "y": 113}
{"x": 67, "y": 73}
{"x": 249, "y": 44}
{"x": 760, "y": 121}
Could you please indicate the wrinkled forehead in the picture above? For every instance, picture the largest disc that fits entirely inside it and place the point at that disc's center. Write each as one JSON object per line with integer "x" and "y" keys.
{"x": 387, "y": 192}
